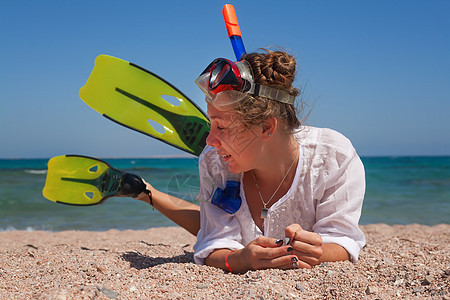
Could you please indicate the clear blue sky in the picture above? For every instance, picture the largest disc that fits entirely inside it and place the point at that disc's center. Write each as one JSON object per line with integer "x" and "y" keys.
{"x": 377, "y": 71}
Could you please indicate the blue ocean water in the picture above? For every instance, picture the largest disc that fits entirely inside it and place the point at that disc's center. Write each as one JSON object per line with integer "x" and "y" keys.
{"x": 400, "y": 190}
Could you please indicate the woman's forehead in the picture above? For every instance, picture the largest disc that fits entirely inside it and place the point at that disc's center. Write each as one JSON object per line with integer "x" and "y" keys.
{"x": 215, "y": 114}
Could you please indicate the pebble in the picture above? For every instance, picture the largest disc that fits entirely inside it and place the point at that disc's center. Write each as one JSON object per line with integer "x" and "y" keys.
{"x": 202, "y": 286}
{"x": 100, "y": 268}
{"x": 62, "y": 296}
{"x": 428, "y": 280}
{"x": 371, "y": 290}
{"x": 108, "y": 292}
{"x": 299, "y": 287}
{"x": 387, "y": 261}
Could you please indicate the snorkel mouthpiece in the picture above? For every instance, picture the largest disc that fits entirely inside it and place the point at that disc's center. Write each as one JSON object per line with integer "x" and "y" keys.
{"x": 228, "y": 199}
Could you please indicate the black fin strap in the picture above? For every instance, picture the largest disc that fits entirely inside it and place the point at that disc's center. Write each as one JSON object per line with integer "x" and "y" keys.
{"x": 150, "y": 198}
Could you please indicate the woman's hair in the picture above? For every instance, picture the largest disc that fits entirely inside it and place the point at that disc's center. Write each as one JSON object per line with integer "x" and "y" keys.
{"x": 275, "y": 69}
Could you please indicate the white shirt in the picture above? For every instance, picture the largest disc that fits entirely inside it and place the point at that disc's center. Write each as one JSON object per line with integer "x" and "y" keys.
{"x": 325, "y": 197}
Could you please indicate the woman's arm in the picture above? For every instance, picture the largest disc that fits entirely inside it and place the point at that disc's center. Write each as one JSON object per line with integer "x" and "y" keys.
{"x": 182, "y": 212}
{"x": 339, "y": 193}
{"x": 333, "y": 252}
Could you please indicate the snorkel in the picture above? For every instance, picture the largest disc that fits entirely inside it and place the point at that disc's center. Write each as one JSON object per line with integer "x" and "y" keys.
{"x": 234, "y": 32}
{"x": 228, "y": 198}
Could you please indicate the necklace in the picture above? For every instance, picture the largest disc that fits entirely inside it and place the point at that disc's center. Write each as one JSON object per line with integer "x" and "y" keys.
{"x": 265, "y": 210}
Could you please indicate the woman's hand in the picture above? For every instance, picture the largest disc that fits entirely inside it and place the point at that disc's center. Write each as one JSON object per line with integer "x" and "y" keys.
{"x": 308, "y": 246}
{"x": 262, "y": 253}
{"x": 265, "y": 253}
{"x": 144, "y": 196}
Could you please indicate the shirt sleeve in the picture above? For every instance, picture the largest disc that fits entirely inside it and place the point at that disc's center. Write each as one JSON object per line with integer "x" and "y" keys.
{"x": 339, "y": 196}
{"x": 219, "y": 229}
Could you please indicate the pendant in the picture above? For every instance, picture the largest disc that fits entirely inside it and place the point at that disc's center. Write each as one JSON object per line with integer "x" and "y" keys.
{"x": 264, "y": 212}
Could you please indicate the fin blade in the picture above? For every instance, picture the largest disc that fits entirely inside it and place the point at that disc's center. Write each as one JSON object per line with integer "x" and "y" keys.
{"x": 72, "y": 180}
{"x": 131, "y": 95}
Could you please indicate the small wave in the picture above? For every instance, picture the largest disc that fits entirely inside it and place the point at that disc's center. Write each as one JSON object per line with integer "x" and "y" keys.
{"x": 28, "y": 229}
{"x": 38, "y": 172}
{"x": 9, "y": 228}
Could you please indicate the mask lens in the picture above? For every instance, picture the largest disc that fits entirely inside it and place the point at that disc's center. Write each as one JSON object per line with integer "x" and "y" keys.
{"x": 218, "y": 74}
{"x": 225, "y": 82}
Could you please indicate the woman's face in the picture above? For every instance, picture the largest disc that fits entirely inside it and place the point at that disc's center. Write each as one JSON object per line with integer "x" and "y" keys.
{"x": 237, "y": 145}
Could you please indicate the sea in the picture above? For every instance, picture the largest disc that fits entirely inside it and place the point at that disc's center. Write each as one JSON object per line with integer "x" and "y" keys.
{"x": 400, "y": 190}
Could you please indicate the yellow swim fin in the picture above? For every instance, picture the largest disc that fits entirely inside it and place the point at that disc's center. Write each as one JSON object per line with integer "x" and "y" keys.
{"x": 82, "y": 180}
{"x": 134, "y": 97}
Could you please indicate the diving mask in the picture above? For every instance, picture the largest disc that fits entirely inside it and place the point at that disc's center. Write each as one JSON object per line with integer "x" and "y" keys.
{"x": 225, "y": 82}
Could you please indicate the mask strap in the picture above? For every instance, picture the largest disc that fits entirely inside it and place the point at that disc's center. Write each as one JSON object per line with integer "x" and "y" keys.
{"x": 273, "y": 94}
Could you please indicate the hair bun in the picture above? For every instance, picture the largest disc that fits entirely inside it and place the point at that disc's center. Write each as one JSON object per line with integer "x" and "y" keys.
{"x": 274, "y": 68}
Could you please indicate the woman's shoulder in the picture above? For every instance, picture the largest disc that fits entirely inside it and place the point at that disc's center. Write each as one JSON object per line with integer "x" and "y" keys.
{"x": 326, "y": 138}
{"x": 325, "y": 147}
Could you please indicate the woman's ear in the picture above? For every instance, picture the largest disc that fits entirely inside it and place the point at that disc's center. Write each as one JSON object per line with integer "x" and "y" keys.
{"x": 269, "y": 127}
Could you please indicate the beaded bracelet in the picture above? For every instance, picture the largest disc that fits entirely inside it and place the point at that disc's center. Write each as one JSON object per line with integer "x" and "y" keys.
{"x": 226, "y": 261}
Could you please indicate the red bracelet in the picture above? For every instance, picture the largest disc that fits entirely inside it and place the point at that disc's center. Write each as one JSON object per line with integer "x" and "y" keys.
{"x": 226, "y": 261}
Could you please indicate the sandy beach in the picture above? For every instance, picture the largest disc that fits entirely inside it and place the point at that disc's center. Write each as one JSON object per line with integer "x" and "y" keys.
{"x": 398, "y": 262}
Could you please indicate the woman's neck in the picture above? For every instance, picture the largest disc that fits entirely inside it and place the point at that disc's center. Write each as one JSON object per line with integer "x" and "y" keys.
{"x": 279, "y": 157}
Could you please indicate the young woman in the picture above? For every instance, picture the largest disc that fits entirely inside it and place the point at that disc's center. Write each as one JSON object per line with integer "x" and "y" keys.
{"x": 265, "y": 178}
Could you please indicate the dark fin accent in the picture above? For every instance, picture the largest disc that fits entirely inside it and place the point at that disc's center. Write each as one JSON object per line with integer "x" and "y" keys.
{"x": 132, "y": 186}
{"x": 90, "y": 204}
{"x": 129, "y": 127}
{"x": 202, "y": 141}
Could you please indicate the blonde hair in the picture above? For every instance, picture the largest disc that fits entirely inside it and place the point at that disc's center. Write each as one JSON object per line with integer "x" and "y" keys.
{"x": 275, "y": 69}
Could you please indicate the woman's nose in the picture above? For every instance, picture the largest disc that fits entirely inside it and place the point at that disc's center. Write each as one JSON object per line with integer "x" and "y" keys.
{"x": 212, "y": 139}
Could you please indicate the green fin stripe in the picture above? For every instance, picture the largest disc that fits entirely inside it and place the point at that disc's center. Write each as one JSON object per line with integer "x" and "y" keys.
{"x": 169, "y": 84}
{"x": 187, "y": 127}
{"x": 152, "y": 136}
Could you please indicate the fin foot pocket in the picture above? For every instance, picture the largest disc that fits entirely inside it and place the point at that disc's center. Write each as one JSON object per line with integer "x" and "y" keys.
{"x": 131, "y": 186}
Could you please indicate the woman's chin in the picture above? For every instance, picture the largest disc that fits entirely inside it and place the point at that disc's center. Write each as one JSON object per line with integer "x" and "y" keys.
{"x": 234, "y": 168}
